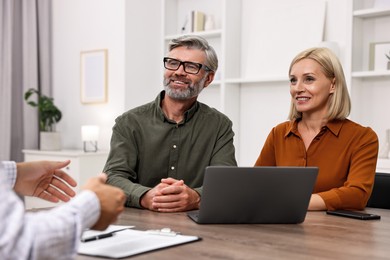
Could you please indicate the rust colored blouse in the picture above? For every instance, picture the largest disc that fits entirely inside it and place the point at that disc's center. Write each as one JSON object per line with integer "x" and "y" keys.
{"x": 344, "y": 151}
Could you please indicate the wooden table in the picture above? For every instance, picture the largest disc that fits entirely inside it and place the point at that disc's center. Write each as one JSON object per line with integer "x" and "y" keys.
{"x": 320, "y": 236}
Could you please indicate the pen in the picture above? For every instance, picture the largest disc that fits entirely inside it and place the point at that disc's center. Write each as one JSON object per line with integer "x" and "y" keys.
{"x": 88, "y": 239}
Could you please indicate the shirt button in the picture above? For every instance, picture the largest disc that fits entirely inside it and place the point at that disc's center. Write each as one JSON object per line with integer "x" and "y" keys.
{"x": 172, "y": 168}
{"x": 174, "y": 146}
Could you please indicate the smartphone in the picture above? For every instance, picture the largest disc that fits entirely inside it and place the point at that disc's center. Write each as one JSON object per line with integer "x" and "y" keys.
{"x": 353, "y": 214}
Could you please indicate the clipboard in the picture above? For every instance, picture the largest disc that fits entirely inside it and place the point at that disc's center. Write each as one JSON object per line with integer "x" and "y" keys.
{"x": 126, "y": 242}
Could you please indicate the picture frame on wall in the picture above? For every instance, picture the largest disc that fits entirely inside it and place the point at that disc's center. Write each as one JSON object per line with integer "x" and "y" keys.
{"x": 378, "y": 52}
{"x": 94, "y": 76}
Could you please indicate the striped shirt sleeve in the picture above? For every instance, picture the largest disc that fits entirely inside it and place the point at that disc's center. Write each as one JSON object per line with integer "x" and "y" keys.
{"x": 51, "y": 234}
{"x": 10, "y": 172}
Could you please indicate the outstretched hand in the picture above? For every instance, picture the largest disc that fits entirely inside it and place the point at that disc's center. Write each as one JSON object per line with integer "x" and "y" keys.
{"x": 45, "y": 180}
{"x": 112, "y": 201}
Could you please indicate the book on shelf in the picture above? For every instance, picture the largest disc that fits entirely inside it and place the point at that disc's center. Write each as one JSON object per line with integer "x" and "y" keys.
{"x": 198, "y": 21}
{"x": 194, "y": 22}
{"x": 187, "y": 26}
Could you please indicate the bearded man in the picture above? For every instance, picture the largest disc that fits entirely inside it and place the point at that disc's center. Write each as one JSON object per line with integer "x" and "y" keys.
{"x": 159, "y": 151}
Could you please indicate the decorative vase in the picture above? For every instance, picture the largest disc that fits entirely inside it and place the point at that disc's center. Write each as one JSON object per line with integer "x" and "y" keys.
{"x": 50, "y": 141}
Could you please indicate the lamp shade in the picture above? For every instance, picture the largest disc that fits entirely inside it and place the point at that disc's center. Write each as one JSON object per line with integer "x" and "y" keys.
{"x": 89, "y": 133}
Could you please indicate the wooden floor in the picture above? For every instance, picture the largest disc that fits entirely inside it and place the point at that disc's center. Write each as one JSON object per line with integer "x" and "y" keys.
{"x": 320, "y": 236}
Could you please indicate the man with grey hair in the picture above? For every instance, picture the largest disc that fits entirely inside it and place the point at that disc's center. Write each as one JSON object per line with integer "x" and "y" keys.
{"x": 159, "y": 151}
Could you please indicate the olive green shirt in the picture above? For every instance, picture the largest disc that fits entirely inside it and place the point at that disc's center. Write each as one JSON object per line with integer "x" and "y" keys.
{"x": 146, "y": 147}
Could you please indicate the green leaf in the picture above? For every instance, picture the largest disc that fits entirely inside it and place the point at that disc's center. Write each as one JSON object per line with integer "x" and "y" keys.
{"x": 48, "y": 113}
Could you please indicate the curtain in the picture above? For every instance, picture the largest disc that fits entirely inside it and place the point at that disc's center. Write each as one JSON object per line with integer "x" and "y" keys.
{"x": 6, "y": 24}
{"x": 25, "y": 62}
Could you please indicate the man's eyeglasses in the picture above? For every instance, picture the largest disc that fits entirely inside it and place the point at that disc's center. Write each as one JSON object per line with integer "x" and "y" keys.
{"x": 189, "y": 67}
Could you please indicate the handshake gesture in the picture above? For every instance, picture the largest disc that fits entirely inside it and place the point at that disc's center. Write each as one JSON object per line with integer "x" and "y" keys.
{"x": 46, "y": 180}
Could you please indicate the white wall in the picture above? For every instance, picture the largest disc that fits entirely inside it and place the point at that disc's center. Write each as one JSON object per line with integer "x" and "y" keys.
{"x": 131, "y": 31}
{"x": 80, "y": 26}
{"x": 144, "y": 55}
{"x": 264, "y": 105}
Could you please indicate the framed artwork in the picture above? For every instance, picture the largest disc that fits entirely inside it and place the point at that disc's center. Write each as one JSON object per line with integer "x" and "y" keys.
{"x": 94, "y": 76}
{"x": 378, "y": 52}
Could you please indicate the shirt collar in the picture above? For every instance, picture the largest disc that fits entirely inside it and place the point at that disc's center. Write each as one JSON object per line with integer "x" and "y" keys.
{"x": 187, "y": 115}
{"x": 334, "y": 127}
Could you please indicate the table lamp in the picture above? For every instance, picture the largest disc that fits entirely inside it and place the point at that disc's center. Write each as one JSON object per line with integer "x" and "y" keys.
{"x": 90, "y": 136}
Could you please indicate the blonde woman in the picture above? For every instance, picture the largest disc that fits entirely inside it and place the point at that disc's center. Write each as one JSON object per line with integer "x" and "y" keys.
{"x": 318, "y": 133}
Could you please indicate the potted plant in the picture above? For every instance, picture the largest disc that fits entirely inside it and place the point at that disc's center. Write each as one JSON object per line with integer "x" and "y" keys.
{"x": 48, "y": 115}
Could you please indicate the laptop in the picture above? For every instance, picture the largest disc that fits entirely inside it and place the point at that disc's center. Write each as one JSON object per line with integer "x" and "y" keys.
{"x": 255, "y": 195}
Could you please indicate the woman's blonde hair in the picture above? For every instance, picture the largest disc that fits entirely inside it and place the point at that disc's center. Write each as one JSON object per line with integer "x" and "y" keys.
{"x": 339, "y": 102}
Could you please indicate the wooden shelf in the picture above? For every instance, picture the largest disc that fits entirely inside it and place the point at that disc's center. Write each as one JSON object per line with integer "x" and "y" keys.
{"x": 371, "y": 73}
{"x": 370, "y": 13}
{"x": 264, "y": 79}
{"x": 205, "y": 34}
